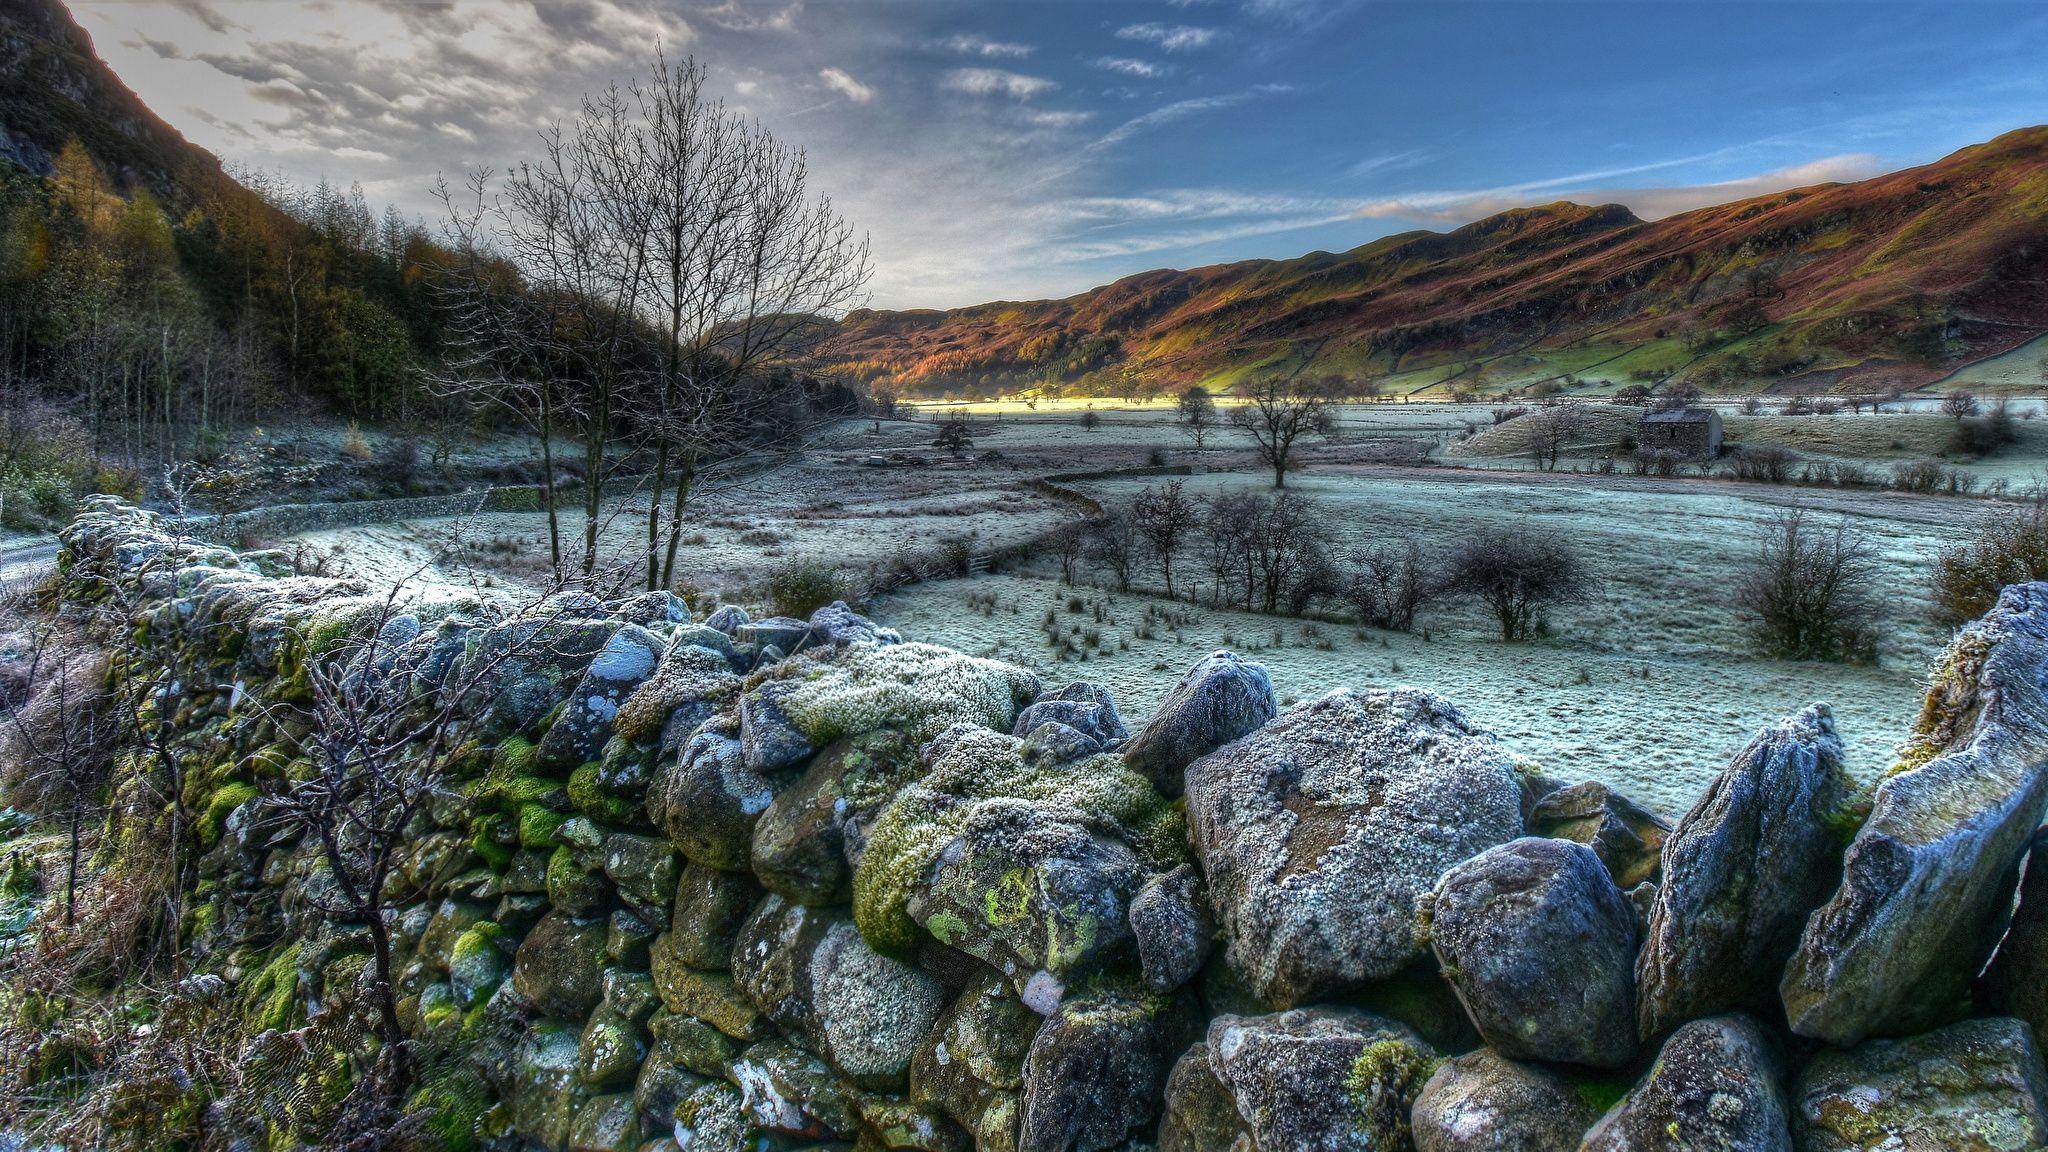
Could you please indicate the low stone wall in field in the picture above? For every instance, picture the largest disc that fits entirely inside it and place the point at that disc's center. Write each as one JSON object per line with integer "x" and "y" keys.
{"x": 733, "y": 884}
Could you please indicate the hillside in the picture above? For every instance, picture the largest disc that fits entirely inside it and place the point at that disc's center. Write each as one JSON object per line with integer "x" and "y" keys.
{"x": 1891, "y": 282}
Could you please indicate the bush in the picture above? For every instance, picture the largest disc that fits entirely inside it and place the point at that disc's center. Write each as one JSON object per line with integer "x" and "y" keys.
{"x": 1519, "y": 577}
{"x": 1808, "y": 592}
{"x": 1767, "y": 463}
{"x": 801, "y": 587}
{"x": 2010, "y": 547}
{"x": 1983, "y": 435}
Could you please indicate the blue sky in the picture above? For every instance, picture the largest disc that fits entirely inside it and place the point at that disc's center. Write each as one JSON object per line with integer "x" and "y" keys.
{"x": 1024, "y": 149}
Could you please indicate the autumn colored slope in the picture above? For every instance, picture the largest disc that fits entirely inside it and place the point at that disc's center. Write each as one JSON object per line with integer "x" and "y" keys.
{"x": 1892, "y": 282}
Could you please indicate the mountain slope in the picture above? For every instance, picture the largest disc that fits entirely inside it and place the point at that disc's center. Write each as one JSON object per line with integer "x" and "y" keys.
{"x": 1891, "y": 282}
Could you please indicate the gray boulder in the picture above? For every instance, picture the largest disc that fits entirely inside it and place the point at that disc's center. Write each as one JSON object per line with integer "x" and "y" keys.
{"x": 2016, "y": 984}
{"x": 835, "y": 626}
{"x": 971, "y": 1065}
{"x": 800, "y": 843}
{"x": 785, "y": 633}
{"x": 1714, "y": 1088}
{"x": 1975, "y": 1086}
{"x": 727, "y": 618}
{"x": 1218, "y": 700}
{"x": 1096, "y": 1071}
{"x": 769, "y": 739}
{"x": 1540, "y": 946}
{"x": 1201, "y": 1115}
{"x": 1171, "y": 924}
{"x": 1755, "y": 856}
{"x": 1321, "y": 1079}
{"x": 1625, "y": 835}
{"x": 1928, "y": 881}
{"x": 1319, "y": 831}
{"x": 1483, "y": 1102}
{"x": 709, "y": 799}
{"x": 1083, "y": 707}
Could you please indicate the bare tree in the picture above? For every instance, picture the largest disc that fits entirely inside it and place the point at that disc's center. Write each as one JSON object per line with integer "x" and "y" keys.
{"x": 1388, "y": 585}
{"x": 1069, "y": 542}
{"x": 1551, "y": 430}
{"x": 1113, "y": 543}
{"x": 1808, "y": 591}
{"x": 1197, "y": 413}
{"x": 1165, "y": 517}
{"x": 1285, "y": 538}
{"x": 1226, "y": 532}
{"x": 1959, "y": 404}
{"x": 1519, "y": 576}
{"x": 955, "y": 433}
{"x": 57, "y": 746}
{"x": 1277, "y": 416}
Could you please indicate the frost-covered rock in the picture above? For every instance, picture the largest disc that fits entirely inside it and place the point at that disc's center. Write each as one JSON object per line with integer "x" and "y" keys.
{"x": 1082, "y": 708}
{"x": 1171, "y": 925}
{"x": 971, "y": 1064}
{"x": 786, "y": 634}
{"x": 1929, "y": 878}
{"x": 1714, "y": 1088}
{"x": 709, "y": 799}
{"x": 1319, "y": 831}
{"x": 1627, "y": 837}
{"x": 1096, "y": 1070}
{"x": 811, "y": 973}
{"x": 1757, "y": 853}
{"x": 1321, "y": 1079}
{"x": 1975, "y": 1086}
{"x": 1483, "y": 1102}
{"x": 836, "y": 626}
{"x": 1218, "y": 700}
{"x": 805, "y": 840}
{"x": 727, "y": 618}
{"x": 688, "y": 687}
{"x": 1540, "y": 946}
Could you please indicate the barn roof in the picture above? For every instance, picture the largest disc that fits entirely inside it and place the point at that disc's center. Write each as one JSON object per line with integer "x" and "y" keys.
{"x": 1679, "y": 416}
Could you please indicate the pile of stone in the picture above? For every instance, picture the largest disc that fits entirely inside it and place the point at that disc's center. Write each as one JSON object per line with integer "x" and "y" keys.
{"x": 742, "y": 884}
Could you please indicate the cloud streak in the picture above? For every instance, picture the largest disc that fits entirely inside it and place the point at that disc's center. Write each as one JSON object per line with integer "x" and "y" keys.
{"x": 837, "y": 80}
{"x": 996, "y": 82}
{"x": 1169, "y": 37}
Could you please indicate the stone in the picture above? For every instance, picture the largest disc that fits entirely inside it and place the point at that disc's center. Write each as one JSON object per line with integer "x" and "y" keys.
{"x": 625, "y": 662}
{"x": 809, "y": 972}
{"x": 727, "y": 618}
{"x": 836, "y": 626}
{"x": 1095, "y": 1072}
{"x": 692, "y": 682}
{"x": 692, "y": 1045}
{"x": 477, "y": 964}
{"x": 784, "y": 632}
{"x": 1171, "y": 925}
{"x": 714, "y": 1117}
{"x": 545, "y": 1093}
{"x": 2016, "y": 984}
{"x": 709, "y": 800}
{"x": 643, "y": 869}
{"x": 800, "y": 843}
{"x": 970, "y": 1066}
{"x": 1713, "y": 1088}
{"x": 1200, "y": 1115}
{"x": 1321, "y": 1079}
{"x": 1318, "y": 832}
{"x": 1928, "y": 881}
{"x": 770, "y": 739}
{"x": 560, "y": 966}
{"x": 1220, "y": 699}
{"x": 1083, "y": 707}
{"x": 1974, "y": 1086}
{"x": 790, "y": 1091}
{"x": 1540, "y": 947}
{"x": 710, "y": 906}
{"x": 650, "y": 608}
{"x": 709, "y": 996}
{"x": 612, "y": 1048}
{"x": 1484, "y": 1102}
{"x": 1627, "y": 837}
{"x": 1748, "y": 864}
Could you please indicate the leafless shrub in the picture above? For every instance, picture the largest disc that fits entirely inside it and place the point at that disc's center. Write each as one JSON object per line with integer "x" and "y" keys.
{"x": 2008, "y": 547}
{"x": 1519, "y": 576}
{"x": 1765, "y": 463}
{"x": 1388, "y": 584}
{"x": 1808, "y": 592}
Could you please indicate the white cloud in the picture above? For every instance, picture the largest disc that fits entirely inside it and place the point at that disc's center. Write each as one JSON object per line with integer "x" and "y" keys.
{"x": 996, "y": 81}
{"x": 837, "y": 80}
{"x": 1171, "y": 37}
{"x": 1130, "y": 67}
{"x": 971, "y": 45}
{"x": 1446, "y": 207}
{"x": 1181, "y": 109}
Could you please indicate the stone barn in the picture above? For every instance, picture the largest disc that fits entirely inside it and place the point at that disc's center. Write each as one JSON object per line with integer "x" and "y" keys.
{"x": 1693, "y": 432}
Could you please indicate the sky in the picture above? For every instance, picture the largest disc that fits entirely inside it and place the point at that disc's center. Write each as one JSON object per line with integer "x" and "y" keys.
{"x": 1037, "y": 148}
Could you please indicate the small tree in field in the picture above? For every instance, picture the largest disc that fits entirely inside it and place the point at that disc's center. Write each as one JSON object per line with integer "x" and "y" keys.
{"x": 1166, "y": 517}
{"x": 1113, "y": 543}
{"x": 1277, "y": 416}
{"x": 1387, "y": 585}
{"x": 1808, "y": 591}
{"x": 1197, "y": 413}
{"x": 1519, "y": 576}
{"x": 1956, "y": 405}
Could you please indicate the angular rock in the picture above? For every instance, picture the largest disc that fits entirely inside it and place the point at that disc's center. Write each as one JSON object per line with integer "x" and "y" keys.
{"x": 709, "y": 799}
{"x": 800, "y": 843}
{"x": 1083, "y": 707}
{"x": 1483, "y": 1102}
{"x": 769, "y": 737}
{"x": 1201, "y": 1115}
{"x": 1321, "y": 1079}
{"x": 627, "y": 659}
{"x": 713, "y": 1117}
{"x": 1171, "y": 925}
{"x": 2016, "y": 984}
{"x": 1626, "y": 836}
{"x": 971, "y": 1064}
{"x": 560, "y": 966}
{"x": 1746, "y": 867}
{"x": 1318, "y": 832}
{"x": 1714, "y": 1088}
{"x": 727, "y": 618}
{"x": 788, "y": 1090}
{"x": 1540, "y": 946}
{"x": 811, "y": 973}
{"x": 709, "y": 996}
{"x": 836, "y": 626}
{"x": 1928, "y": 881}
{"x": 1974, "y": 1086}
{"x": 644, "y": 870}
{"x": 1218, "y": 700}
{"x": 784, "y": 632}
{"x": 1096, "y": 1070}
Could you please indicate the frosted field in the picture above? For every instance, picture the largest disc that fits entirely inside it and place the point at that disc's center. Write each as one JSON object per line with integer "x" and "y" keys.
{"x": 1648, "y": 688}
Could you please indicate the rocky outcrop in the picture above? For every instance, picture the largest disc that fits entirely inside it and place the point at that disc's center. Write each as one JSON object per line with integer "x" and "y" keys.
{"x": 2017, "y": 981}
{"x": 1928, "y": 880}
{"x": 735, "y": 885}
{"x": 1743, "y": 871}
{"x": 1319, "y": 830}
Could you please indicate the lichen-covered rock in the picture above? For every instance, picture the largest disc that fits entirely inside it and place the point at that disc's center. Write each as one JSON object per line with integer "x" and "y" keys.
{"x": 1714, "y": 1088}
{"x": 1096, "y": 1070}
{"x": 789, "y": 1091}
{"x": 1200, "y": 1113}
{"x": 714, "y": 1118}
{"x": 1171, "y": 925}
{"x": 708, "y": 996}
{"x": 1318, "y": 832}
{"x": 1627, "y": 837}
{"x": 709, "y": 800}
{"x": 970, "y": 1065}
{"x": 691, "y": 683}
{"x": 1483, "y": 1102}
{"x": 477, "y": 964}
{"x": 2017, "y": 981}
{"x": 1928, "y": 881}
{"x": 611, "y": 1050}
{"x": 1747, "y": 865}
{"x": 1020, "y": 905}
{"x": 543, "y": 1089}
{"x": 919, "y": 690}
{"x": 643, "y": 869}
{"x": 1540, "y": 946}
{"x": 1084, "y": 709}
{"x": 709, "y": 908}
{"x": 1321, "y": 1079}
{"x": 787, "y": 634}
{"x": 628, "y": 658}
{"x": 1221, "y": 698}
{"x": 810, "y": 972}
{"x": 800, "y": 843}
{"x": 1974, "y": 1086}
{"x": 560, "y": 966}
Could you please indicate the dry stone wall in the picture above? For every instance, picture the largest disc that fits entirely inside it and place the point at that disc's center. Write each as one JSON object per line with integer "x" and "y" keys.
{"x": 730, "y": 884}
